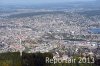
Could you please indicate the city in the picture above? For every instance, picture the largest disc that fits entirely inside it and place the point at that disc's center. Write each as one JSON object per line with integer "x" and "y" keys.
{"x": 64, "y": 32}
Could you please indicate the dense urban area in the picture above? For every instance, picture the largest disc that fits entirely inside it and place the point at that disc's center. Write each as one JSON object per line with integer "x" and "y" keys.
{"x": 64, "y": 33}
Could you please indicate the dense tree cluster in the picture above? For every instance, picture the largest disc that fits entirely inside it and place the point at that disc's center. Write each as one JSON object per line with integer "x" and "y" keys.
{"x": 36, "y": 59}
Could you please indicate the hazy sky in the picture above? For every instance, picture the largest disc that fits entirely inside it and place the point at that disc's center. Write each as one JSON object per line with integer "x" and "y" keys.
{"x": 37, "y": 1}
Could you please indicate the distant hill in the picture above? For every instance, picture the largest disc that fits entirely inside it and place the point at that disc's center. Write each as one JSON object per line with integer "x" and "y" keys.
{"x": 85, "y": 4}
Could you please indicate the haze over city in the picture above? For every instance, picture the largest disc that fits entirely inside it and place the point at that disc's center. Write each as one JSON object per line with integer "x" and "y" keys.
{"x": 38, "y": 1}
